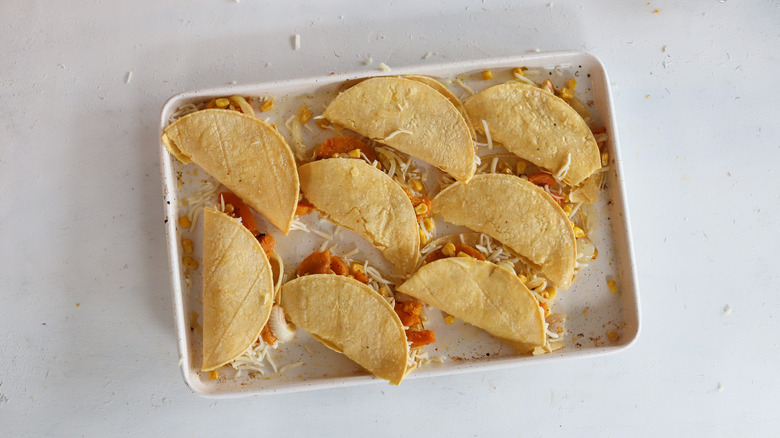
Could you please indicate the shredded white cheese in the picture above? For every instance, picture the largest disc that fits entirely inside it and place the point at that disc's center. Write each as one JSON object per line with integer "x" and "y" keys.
{"x": 396, "y": 132}
{"x": 297, "y": 42}
{"x": 561, "y": 174}
{"x": 384, "y": 67}
{"x": 464, "y": 86}
{"x": 297, "y": 225}
{"x": 487, "y": 134}
{"x": 128, "y": 77}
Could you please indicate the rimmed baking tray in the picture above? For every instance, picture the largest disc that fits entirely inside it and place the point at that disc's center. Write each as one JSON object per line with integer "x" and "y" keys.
{"x": 601, "y": 319}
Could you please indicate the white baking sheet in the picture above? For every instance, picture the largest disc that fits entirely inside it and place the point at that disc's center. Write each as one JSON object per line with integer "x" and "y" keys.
{"x": 592, "y": 308}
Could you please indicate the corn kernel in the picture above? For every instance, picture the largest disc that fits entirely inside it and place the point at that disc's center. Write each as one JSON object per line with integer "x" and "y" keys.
{"x": 190, "y": 262}
{"x": 213, "y": 375}
{"x": 487, "y": 75}
{"x": 423, "y": 237}
{"x": 336, "y": 155}
{"x": 612, "y": 286}
{"x": 567, "y": 209}
{"x": 267, "y": 105}
{"x": 518, "y": 71}
{"x": 604, "y": 158}
{"x": 449, "y": 319}
{"x": 357, "y": 267}
{"x": 421, "y": 208}
{"x": 578, "y": 233}
{"x": 429, "y": 224}
{"x": 571, "y": 84}
{"x": 185, "y": 222}
{"x": 222, "y": 102}
{"x": 354, "y": 153}
{"x": 567, "y": 93}
{"x": 305, "y": 115}
{"x": 462, "y": 254}
{"x": 595, "y": 254}
{"x": 549, "y": 293}
{"x": 448, "y": 249}
{"x": 186, "y": 246}
{"x": 383, "y": 291}
{"x": 417, "y": 185}
{"x": 613, "y": 336}
{"x": 522, "y": 278}
{"x": 520, "y": 167}
{"x": 229, "y": 208}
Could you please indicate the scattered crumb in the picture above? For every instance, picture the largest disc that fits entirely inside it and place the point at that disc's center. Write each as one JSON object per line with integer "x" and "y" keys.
{"x": 368, "y": 61}
{"x": 727, "y": 310}
{"x": 656, "y": 11}
{"x": 612, "y": 286}
{"x": 297, "y": 41}
{"x": 384, "y": 67}
{"x": 78, "y": 304}
{"x": 664, "y": 48}
{"x": 128, "y": 77}
{"x": 536, "y": 49}
{"x": 613, "y": 336}
{"x": 427, "y": 55}
{"x": 720, "y": 387}
{"x": 647, "y": 96}
{"x": 585, "y": 311}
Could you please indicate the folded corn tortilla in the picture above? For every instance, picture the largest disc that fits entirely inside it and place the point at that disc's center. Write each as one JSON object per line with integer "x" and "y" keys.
{"x": 539, "y": 127}
{"x": 444, "y": 91}
{"x": 363, "y": 199}
{"x": 482, "y": 294}
{"x": 351, "y": 318}
{"x": 245, "y": 154}
{"x": 411, "y": 117}
{"x": 237, "y": 289}
{"x": 520, "y": 215}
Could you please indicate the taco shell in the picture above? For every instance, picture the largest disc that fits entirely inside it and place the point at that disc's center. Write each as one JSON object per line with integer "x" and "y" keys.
{"x": 482, "y": 294}
{"x": 361, "y": 198}
{"x": 349, "y": 317}
{"x": 520, "y": 215}
{"x": 237, "y": 289}
{"x": 537, "y": 126}
{"x": 444, "y": 91}
{"x": 411, "y": 117}
{"x": 245, "y": 154}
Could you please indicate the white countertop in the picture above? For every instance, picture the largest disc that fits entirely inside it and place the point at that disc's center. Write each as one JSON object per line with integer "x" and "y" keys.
{"x": 88, "y": 345}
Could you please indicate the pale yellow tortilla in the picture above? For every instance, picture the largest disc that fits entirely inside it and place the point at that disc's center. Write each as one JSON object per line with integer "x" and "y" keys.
{"x": 537, "y": 126}
{"x": 588, "y": 190}
{"x": 365, "y": 200}
{"x": 237, "y": 289}
{"x": 378, "y": 108}
{"x": 482, "y": 294}
{"x": 351, "y": 318}
{"x": 520, "y": 215}
{"x": 444, "y": 91}
{"x": 245, "y": 154}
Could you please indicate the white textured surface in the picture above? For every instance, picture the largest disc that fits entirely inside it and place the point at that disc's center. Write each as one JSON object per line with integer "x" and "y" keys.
{"x": 88, "y": 345}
